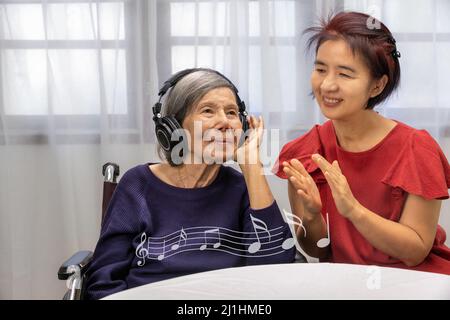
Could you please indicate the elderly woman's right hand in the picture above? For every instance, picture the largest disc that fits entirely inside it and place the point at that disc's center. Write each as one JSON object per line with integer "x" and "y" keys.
{"x": 304, "y": 185}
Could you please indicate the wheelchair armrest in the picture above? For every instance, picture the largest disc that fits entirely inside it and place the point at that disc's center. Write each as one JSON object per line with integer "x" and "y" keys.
{"x": 80, "y": 259}
{"x": 110, "y": 172}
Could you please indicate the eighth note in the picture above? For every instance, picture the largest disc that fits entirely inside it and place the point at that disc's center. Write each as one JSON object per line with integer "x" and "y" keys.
{"x": 183, "y": 236}
{"x": 322, "y": 243}
{"x": 294, "y": 220}
{"x": 288, "y": 243}
{"x": 217, "y": 244}
{"x": 255, "y": 246}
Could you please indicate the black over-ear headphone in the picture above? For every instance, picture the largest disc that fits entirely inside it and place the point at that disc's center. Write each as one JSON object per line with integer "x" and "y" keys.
{"x": 167, "y": 127}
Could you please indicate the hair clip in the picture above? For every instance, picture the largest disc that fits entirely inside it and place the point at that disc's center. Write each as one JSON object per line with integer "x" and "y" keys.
{"x": 395, "y": 53}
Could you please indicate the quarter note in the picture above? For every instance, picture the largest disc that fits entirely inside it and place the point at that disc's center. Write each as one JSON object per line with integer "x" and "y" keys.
{"x": 257, "y": 225}
{"x": 182, "y": 236}
{"x": 217, "y": 244}
{"x": 322, "y": 243}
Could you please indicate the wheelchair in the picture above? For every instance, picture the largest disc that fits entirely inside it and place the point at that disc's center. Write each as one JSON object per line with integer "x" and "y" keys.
{"x": 73, "y": 270}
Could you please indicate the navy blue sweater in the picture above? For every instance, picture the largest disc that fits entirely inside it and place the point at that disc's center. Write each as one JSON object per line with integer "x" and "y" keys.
{"x": 154, "y": 231}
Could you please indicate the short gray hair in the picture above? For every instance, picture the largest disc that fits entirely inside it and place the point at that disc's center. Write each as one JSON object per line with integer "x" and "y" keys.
{"x": 186, "y": 94}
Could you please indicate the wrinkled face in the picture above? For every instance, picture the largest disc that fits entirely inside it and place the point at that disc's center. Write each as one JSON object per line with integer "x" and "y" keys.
{"x": 341, "y": 81}
{"x": 212, "y": 125}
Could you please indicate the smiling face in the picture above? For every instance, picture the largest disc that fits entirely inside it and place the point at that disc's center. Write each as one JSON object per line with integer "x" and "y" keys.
{"x": 211, "y": 124}
{"x": 341, "y": 81}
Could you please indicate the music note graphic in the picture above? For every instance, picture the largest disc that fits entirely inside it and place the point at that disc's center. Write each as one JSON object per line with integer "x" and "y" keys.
{"x": 294, "y": 220}
{"x": 217, "y": 244}
{"x": 322, "y": 243}
{"x": 141, "y": 252}
{"x": 183, "y": 236}
{"x": 257, "y": 225}
{"x": 161, "y": 256}
{"x": 288, "y": 243}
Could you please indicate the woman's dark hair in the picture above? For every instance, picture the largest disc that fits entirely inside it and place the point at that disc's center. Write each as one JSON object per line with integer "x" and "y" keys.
{"x": 372, "y": 41}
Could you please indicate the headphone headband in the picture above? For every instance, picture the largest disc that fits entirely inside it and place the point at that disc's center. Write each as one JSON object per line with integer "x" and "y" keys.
{"x": 172, "y": 81}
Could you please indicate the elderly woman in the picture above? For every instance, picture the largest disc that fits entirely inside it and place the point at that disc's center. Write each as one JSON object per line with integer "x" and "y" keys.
{"x": 367, "y": 188}
{"x": 190, "y": 213}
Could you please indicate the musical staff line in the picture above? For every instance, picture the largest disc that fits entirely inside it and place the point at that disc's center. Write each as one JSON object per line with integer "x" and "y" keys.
{"x": 164, "y": 253}
{"x": 226, "y": 251}
{"x": 201, "y": 242}
{"x": 260, "y": 243}
{"x": 202, "y": 237}
{"x": 176, "y": 233}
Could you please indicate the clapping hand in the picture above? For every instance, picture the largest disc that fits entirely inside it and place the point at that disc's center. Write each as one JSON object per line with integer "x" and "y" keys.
{"x": 343, "y": 197}
{"x": 304, "y": 185}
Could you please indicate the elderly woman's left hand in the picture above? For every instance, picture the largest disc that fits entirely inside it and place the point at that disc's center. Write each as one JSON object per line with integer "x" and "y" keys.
{"x": 343, "y": 197}
{"x": 248, "y": 152}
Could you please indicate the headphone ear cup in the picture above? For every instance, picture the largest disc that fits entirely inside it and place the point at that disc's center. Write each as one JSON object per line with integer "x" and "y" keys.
{"x": 244, "y": 122}
{"x": 245, "y": 127}
{"x": 167, "y": 128}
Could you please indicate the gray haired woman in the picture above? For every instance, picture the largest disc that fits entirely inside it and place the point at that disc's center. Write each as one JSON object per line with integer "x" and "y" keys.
{"x": 190, "y": 213}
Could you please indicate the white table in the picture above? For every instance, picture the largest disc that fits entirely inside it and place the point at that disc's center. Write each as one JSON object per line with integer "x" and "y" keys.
{"x": 297, "y": 281}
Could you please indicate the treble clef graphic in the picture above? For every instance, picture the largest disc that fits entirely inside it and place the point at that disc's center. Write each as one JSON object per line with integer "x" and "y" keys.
{"x": 141, "y": 252}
